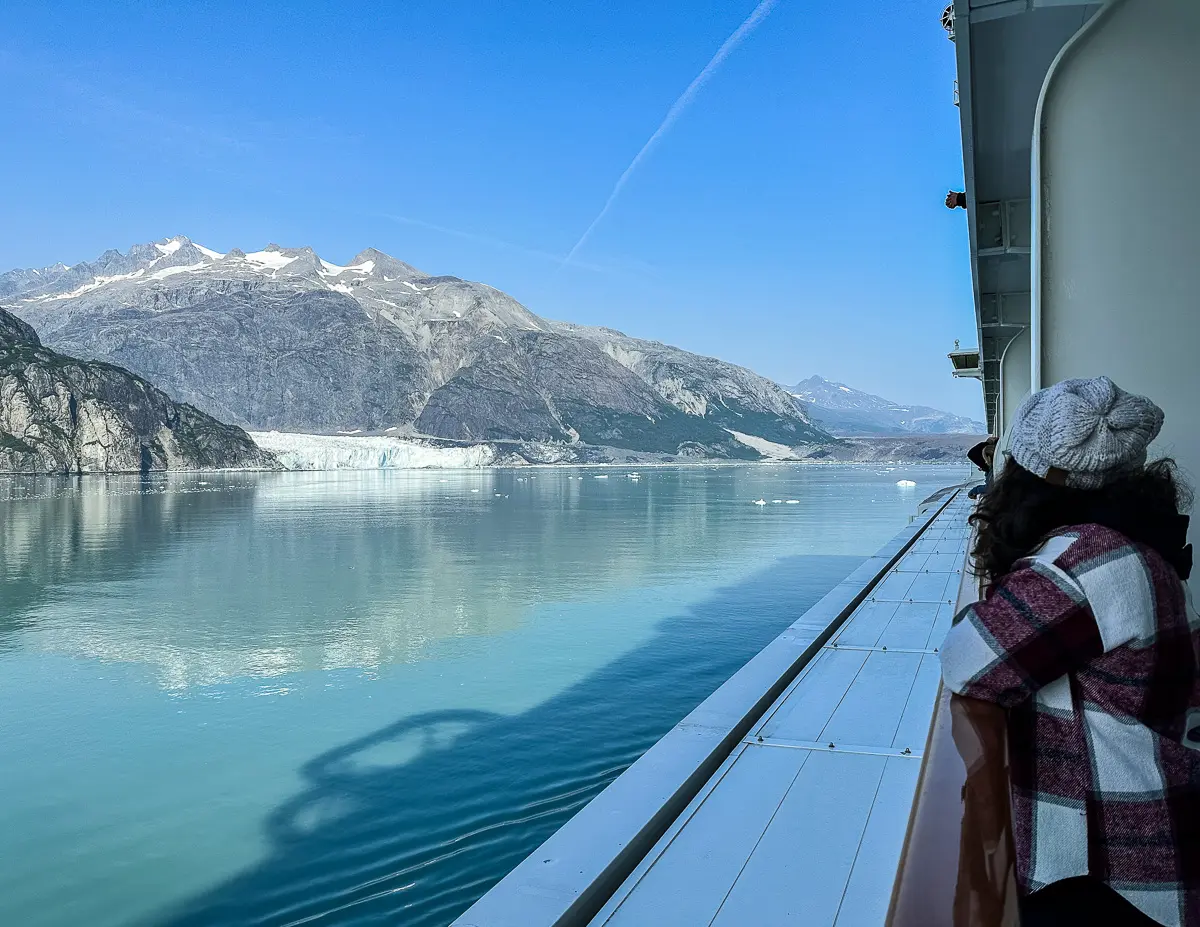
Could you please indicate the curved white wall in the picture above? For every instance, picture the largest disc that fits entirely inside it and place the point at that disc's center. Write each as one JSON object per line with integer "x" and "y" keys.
{"x": 1014, "y": 381}
{"x": 1120, "y": 212}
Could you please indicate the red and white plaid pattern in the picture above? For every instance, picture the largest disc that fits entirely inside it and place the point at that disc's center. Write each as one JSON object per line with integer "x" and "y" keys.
{"x": 1092, "y": 646}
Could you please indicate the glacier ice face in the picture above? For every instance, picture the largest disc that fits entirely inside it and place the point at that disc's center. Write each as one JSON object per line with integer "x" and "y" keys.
{"x": 343, "y": 452}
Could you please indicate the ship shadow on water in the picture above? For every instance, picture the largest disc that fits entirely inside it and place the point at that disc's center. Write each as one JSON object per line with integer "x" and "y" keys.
{"x": 410, "y": 824}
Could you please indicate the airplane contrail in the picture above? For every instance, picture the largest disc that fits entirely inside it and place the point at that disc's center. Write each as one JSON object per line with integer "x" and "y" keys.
{"x": 676, "y": 110}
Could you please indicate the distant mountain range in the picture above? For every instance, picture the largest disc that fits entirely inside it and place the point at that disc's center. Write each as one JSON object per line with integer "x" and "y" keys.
{"x": 282, "y": 339}
{"x": 62, "y": 415}
{"x": 848, "y": 412}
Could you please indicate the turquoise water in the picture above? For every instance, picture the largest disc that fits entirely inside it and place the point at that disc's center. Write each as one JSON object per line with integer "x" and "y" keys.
{"x": 357, "y": 698}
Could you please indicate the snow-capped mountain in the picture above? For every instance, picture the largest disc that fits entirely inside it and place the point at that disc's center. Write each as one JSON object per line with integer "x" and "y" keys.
{"x": 843, "y": 410}
{"x": 283, "y": 339}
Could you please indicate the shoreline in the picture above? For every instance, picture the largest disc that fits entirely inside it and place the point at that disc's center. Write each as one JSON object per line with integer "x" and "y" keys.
{"x": 656, "y": 465}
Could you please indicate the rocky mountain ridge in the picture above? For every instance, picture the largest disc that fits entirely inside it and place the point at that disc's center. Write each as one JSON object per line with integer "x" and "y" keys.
{"x": 62, "y": 415}
{"x": 849, "y": 412}
{"x": 283, "y": 339}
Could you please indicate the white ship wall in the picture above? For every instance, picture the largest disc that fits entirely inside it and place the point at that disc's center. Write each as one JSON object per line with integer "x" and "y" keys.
{"x": 1119, "y": 238}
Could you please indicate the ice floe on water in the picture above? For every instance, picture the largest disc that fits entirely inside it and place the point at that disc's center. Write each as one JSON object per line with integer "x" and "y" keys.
{"x": 906, "y": 484}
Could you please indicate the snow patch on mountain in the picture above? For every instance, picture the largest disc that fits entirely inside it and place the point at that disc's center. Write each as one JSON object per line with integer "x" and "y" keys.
{"x": 95, "y": 284}
{"x": 336, "y": 270}
{"x": 769, "y": 449}
{"x": 208, "y": 252}
{"x": 274, "y": 260}
{"x": 178, "y": 269}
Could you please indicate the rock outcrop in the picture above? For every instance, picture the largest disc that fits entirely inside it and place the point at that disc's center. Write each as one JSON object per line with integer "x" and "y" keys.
{"x": 62, "y": 415}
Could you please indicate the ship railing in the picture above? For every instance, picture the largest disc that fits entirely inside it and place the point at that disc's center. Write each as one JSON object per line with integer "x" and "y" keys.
{"x": 957, "y": 868}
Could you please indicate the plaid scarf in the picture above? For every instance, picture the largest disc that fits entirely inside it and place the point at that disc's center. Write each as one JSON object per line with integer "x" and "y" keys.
{"x": 1093, "y": 648}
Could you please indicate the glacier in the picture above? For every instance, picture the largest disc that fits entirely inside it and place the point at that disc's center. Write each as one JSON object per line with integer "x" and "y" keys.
{"x": 341, "y": 452}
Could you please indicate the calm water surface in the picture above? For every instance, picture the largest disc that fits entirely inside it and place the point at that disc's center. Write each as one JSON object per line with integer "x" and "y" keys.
{"x": 358, "y": 698}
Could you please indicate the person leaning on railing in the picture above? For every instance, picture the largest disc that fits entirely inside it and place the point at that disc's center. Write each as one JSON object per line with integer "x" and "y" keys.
{"x": 1086, "y": 636}
{"x": 983, "y": 455}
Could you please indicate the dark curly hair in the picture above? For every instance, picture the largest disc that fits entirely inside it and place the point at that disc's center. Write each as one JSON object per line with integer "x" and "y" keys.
{"x": 1020, "y": 510}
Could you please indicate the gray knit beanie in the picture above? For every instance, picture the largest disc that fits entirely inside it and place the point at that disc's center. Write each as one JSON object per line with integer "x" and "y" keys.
{"x": 1092, "y": 430}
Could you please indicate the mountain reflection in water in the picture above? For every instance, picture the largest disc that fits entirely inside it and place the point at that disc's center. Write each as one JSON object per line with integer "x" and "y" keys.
{"x": 341, "y": 698}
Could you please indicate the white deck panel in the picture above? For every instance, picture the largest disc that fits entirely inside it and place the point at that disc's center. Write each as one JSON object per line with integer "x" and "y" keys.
{"x": 910, "y": 627}
{"x": 941, "y": 626}
{"x": 914, "y": 562}
{"x": 945, "y": 563}
{"x": 815, "y": 696}
{"x": 868, "y": 625}
{"x": 918, "y": 711}
{"x": 793, "y": 831}
{"x": 871, "y": 710}
{"x": 797, "y": 874}
{"x": 689, "y": 884}
{"x": 894, "y": 587}
{"x": 863, "y": 905}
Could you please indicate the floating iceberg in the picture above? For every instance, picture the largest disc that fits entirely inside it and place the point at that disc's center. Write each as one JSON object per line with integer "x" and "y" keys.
{"x": 905, "y": 483}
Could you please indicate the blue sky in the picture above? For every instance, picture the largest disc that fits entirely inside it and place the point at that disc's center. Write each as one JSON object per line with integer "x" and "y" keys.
{"x": 791, "y": 218}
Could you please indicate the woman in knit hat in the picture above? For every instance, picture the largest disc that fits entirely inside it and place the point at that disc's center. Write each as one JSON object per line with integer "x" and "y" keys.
{"x": 1086, "y": 636}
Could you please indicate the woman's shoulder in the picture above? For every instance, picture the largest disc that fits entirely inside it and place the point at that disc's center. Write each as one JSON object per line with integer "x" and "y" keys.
{"x": 1102, "y": 557}
{"x": 1082, "y": 549}
{"x": 1072, "y": 544}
